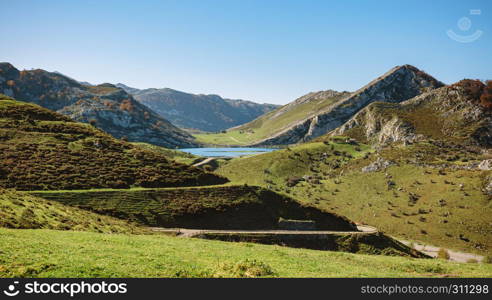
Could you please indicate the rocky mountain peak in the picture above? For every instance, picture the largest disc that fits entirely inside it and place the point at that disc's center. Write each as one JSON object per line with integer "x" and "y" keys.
{"x": 398, "y": 84}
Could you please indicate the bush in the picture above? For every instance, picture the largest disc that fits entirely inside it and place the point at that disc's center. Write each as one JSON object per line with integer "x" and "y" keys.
{"x": 244, "y": 269}
{"x": 443, "y": 254}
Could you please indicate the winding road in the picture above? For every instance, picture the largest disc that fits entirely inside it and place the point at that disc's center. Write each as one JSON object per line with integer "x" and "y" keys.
{"x": 182, "y": 232}
{"x": 432, "y": 251}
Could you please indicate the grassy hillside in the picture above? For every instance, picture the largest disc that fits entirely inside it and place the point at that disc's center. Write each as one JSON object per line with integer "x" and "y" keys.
{"x": 273, "y": 121}
{"x": 41, "y": 149}
{"x": 46, "y": 253}
{"x": 230, "y": 207}
{"x": 425, "y": 195}
{"x": 23, "y": 211}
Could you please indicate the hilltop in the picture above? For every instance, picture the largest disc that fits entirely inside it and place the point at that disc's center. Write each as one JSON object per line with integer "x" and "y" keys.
{"x": 44, "y": 150}
{"x": 105, "y": 106}
{"x": 318, "y": 113}
{"x": 200, "y": 112}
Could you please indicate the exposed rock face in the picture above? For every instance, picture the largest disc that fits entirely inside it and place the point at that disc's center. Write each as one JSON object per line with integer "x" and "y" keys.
{"x": 485, "y": 165}
{"x": 203, "y": 112}
{"x": 447, "y": 113}
{"x": 399, "y": 84}
{"x": 488, "y": 188}
{"x": 378, "y": 165}
{"x": 106, "y": 106}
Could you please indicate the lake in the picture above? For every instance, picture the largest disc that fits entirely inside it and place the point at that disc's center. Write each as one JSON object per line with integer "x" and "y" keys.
{"x": 226, "y": 152}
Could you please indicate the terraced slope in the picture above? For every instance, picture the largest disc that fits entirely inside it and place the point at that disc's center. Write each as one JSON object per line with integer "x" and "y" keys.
{"x": 310, "y": 119}
{"x": 23, "y": 211}
{"x": 105, "y": 106}
{"x": 44, "y": 150}
{"x": 231, "y": 207}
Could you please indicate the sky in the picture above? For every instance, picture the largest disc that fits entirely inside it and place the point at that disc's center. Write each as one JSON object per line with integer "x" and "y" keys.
{"x": 264, "y": 51}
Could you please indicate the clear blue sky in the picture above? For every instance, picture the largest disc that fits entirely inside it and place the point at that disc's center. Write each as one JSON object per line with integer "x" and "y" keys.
{"x": 266, "y": 51}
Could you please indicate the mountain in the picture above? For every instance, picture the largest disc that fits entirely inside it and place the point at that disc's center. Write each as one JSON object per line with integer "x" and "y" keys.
{"x": 105, "y": 106}
{"x": 318, "y": 113}
{"x": 460, "y": 113}
{"x": 202, "y": 112}
{"x": 44, "y": 150}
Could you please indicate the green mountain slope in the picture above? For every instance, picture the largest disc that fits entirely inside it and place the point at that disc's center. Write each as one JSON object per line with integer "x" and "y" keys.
{"x": 23, "y": 211}
{"x": 105, "y": 106}
{"x": 41, "y": 149}
{"x": 229, "y": 207}
{"x": 460, "y": 113}
{"x": 200, "y": 112}
{"x": 316, "y": 114}
{"x": 431, "y": 191}
{"x": 275, "y": 120}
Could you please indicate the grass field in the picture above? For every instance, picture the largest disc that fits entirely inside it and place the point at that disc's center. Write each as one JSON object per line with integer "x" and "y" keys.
{"x": 48, "y": 253}
{"x": 450, "y": 209}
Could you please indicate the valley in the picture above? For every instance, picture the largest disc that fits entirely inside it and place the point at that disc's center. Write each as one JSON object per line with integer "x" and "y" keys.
{"x": 404, "y": 155}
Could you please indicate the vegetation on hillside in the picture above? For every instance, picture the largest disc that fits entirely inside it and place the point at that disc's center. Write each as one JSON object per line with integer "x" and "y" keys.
{"x": 23, "y": 211}
{"x": 229, "y": 207}
{"x": 45, "y": 253}
{"x": 425, "y": 193}
{"x": 43, "y": 150}
{"x": 273, "y": 121}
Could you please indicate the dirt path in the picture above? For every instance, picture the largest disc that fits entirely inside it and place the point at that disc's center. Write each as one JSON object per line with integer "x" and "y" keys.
{"x": 182, "y": 232}
{"x": 205, "y": 161}
{"x": 363, "y": 229}
{"x": 453, "y": 255}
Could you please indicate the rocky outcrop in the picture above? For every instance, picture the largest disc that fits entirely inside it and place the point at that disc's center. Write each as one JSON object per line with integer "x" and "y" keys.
{"x": 379, "y": 165}
{"x": 485, "y": 165}
{"x": 105, "y": 106}
{"x": 399, "y": 84}
{"x": 202, "y": 112}
{"x": 447, "y": 113}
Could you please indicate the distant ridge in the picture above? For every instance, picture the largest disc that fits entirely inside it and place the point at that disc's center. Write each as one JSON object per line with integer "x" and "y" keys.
{"x": 105, "y": 106}
{"x": 318, "y": 113}
{"x": 201, "y": 112}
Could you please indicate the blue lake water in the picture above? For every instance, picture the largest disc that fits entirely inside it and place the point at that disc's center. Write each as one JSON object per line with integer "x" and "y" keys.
{"x": 226, "y": 152}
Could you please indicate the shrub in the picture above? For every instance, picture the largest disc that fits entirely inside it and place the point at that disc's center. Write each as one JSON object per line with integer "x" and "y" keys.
{"x": 443, "y": 254}
{"x": 244, "y": 269}
{"x": 486, "y": 97}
